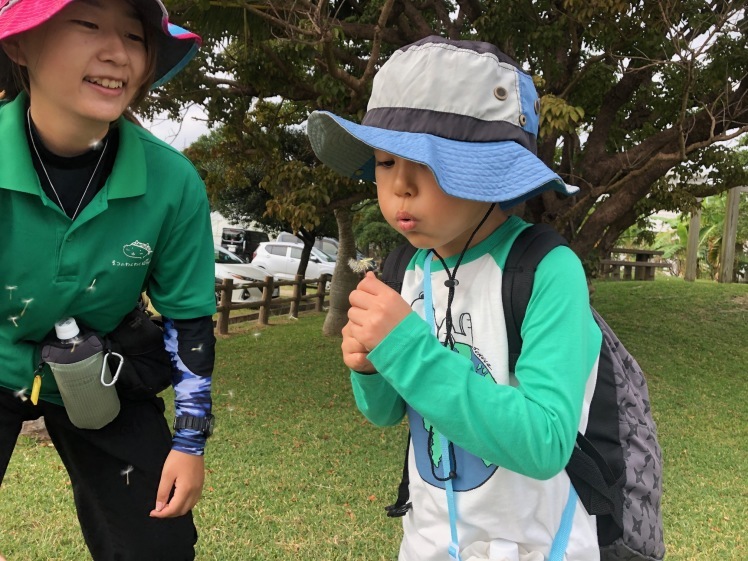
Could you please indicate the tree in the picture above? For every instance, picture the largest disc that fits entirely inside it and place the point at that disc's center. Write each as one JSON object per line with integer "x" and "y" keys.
{"x": 630, "y": 91}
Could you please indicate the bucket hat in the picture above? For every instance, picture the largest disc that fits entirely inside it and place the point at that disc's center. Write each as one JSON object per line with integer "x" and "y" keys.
{"x": 175, "y": 46}
{"x": 463, "y": 108}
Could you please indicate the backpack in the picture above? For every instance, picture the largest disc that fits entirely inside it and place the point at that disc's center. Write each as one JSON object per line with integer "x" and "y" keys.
{"x": 616, "y": 466}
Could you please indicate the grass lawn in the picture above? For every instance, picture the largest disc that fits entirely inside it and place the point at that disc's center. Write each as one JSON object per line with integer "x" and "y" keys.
{"x": 296, "y": 472}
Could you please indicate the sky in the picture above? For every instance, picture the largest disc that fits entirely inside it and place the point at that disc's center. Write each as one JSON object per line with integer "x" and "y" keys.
{"x": 179, "y": 134}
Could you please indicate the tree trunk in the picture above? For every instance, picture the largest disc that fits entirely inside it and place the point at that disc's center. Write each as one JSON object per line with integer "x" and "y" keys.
{"x": 692, "y": 249}
{"x": 729, "y": 236}
{"x": 344, "y": 279}
{"x": 36, "y": 429}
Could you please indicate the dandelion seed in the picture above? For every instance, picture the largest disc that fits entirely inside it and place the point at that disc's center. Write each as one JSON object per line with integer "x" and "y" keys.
{"x": 26, "y": 303}
{"x": 230, "y": 393}
{"x": 257, "y": 335}
{"x": 96, "y": 144}
{"x": 14, "y": 319}
{"x": 21, "y": 394}
{"x": 198, "y": 349}
{"x": 92, "y": 287}
{"x": 126, "y": 473}
{"x": 361, "y": 265}
{"x": 10, "y": 290}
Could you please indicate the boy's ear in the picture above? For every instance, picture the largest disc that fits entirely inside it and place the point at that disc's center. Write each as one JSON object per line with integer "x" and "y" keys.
{"x": 12, "y": 48}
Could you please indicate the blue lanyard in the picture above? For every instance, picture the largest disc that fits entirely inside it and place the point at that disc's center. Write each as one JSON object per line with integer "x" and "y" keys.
{"x": 428, "y": 303}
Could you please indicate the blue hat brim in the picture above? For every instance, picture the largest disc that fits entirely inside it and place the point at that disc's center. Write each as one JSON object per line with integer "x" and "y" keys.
{"x": 498, "y": 172}
{"x": 176, "y": 48}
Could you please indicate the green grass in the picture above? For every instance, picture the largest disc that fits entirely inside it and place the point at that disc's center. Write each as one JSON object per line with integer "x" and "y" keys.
{"x": 296, "y": 472}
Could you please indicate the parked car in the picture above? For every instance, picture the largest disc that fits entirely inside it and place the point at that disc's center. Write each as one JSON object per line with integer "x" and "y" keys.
{"x": 230, "y": 266}
{"x": 242, "y": 242}
{"x": 326, "y": 245}
{"x": 281, "y": 259}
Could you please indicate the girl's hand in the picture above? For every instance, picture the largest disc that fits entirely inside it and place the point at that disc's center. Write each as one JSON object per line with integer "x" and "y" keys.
{"x": 185, "y": 474}
{"x": 375, "y": 310}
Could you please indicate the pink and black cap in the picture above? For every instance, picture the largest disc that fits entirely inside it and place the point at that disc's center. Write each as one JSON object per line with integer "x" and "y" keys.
{"x": 463, "y": 108}
{"x": 175, "y": 46}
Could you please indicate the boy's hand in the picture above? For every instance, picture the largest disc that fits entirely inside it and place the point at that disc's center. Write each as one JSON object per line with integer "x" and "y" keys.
{"x": 375, "y": 311}
{"x": 184, "y": 473}
{"x": 354, "y": 354}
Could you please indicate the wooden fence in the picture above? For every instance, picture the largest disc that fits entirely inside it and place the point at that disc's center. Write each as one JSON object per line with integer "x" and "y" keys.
{"x": 313, "y": 298}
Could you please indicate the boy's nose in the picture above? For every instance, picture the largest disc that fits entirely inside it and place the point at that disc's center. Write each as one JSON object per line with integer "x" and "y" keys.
{"x": 405, "y": 179}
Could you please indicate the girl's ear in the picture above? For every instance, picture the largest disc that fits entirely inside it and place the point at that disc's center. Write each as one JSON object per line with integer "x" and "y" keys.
{"x": 12, "y": 48}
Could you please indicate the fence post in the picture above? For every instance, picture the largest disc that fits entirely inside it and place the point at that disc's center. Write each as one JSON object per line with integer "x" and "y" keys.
{"x": 296, "y": 298}
{"x": 263, "y": 316}
{"x": 227, "y": 287}
{"x": 321, "y": 289}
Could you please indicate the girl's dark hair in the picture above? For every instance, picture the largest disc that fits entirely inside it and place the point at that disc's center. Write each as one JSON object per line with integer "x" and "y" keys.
{"x": 14, "y": 78}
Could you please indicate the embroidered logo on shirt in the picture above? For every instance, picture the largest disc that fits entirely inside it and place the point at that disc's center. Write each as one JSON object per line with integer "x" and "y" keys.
{"x": 137, "y": 251}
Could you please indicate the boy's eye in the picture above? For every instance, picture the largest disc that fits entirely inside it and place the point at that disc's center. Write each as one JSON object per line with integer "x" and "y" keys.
{"x": 385, "y": 163}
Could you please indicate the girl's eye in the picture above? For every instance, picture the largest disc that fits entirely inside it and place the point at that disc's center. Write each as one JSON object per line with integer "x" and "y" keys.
{"x": 135, "y": 37}
{"x": 86, "y": 24}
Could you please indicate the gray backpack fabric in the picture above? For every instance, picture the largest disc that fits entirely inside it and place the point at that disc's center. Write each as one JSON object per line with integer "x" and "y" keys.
{"x": 642, "y": 536}
{"x": 616, "y": 466}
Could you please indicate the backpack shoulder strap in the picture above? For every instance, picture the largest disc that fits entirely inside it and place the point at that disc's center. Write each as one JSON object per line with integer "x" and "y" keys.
{"x": 393, "y": 268}
{"x": 527, "y": 252}
{"x": 393, "y": 272}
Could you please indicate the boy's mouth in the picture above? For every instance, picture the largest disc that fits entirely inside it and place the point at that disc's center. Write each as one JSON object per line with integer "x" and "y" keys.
{"x": 108, "y": 83}
{"x": 405, "y": 221}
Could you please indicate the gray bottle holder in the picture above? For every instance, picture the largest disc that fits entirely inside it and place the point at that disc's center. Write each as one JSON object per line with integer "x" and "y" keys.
{"x": 86, "y": 386}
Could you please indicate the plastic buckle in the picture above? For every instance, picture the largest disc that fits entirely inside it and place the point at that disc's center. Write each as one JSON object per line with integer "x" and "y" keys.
{"x": 394, "y": 511}
{"x": 454, "y": 551}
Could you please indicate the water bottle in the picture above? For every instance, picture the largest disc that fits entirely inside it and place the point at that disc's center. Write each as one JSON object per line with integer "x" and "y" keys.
{"x": 78, "y": 362}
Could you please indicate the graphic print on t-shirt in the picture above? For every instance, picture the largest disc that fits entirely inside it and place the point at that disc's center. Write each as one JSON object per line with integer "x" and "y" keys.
{"x": 471, "y": 471}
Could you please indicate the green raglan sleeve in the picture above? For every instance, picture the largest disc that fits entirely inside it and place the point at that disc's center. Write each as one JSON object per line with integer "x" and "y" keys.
{"x": 377, "y": 399}
{"x": 531, "y": 428}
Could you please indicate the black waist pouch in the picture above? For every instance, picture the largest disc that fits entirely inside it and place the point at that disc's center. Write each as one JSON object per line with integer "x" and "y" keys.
{"x": 146, "y": 370}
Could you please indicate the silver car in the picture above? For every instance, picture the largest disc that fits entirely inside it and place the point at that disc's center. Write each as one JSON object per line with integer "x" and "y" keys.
{"x": 229, "y": 266}
{"x": 281, "y": 259}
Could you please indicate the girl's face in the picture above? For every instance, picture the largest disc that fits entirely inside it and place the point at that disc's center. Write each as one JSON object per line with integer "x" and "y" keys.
{"x": 85, "y": 64}
{"x": 413, "y": 204}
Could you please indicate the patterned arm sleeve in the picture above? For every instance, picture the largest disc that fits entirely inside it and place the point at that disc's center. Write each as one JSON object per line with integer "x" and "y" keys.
{"x": 191, "y": 345}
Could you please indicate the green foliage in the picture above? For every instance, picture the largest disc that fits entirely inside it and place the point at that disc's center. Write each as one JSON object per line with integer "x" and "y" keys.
{"x": 557, "y": 116}
{"x": 373, "y": 235}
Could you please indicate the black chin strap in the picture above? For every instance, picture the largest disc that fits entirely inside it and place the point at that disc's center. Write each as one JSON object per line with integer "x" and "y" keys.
{"x": 452, "y": 281}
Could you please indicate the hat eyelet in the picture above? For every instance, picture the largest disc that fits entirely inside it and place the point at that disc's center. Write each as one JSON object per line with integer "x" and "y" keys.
{"x": 522, "y": 120}
{"x": 500, "y": 93}
{"x": 537, "y": 107}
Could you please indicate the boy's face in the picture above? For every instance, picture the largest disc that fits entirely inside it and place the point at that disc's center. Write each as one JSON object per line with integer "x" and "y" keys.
{"x": 413, "y": 204}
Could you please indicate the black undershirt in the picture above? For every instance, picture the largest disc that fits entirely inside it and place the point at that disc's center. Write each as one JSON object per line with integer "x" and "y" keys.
{"x": 70, "y": 175}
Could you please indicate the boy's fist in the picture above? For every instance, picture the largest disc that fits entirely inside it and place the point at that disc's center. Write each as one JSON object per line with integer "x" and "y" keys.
{"x": 375, "y": 311}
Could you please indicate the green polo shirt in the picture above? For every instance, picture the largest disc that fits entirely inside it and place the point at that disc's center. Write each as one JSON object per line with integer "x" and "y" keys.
{"x": 148, "y": 229}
